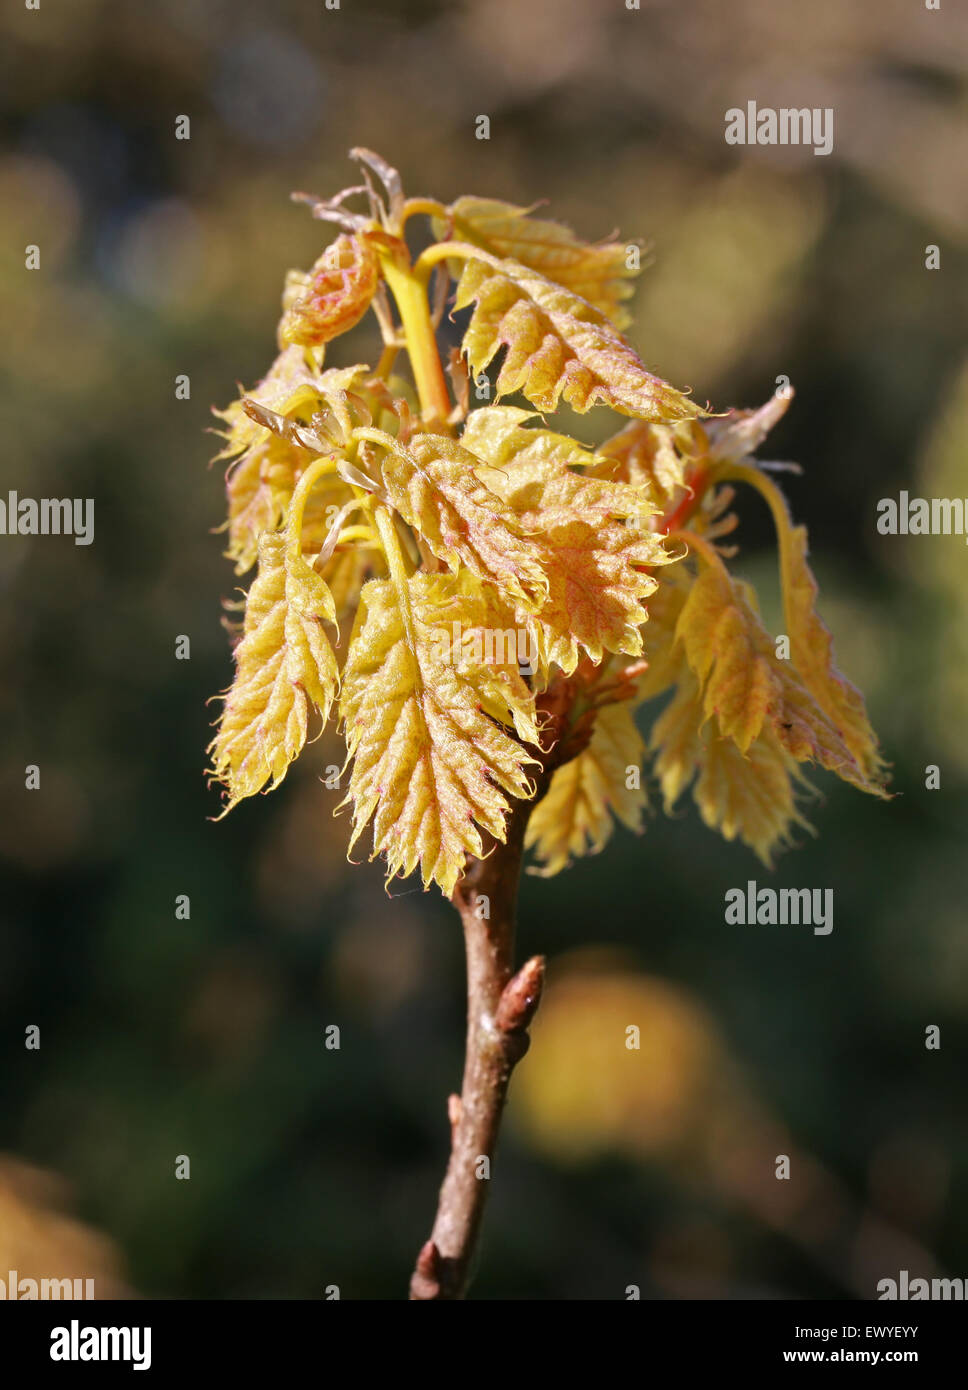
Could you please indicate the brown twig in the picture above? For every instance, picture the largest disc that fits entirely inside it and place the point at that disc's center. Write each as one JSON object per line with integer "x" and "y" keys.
{"x": 500, "y": 1006}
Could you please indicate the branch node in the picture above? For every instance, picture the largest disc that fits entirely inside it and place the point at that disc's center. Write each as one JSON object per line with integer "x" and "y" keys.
{"x": 520, "y": 997}
{"x": 425, "y": 1280}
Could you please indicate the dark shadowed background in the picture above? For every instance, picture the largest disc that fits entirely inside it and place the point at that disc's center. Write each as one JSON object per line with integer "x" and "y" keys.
{"x": 204, "y": 1037}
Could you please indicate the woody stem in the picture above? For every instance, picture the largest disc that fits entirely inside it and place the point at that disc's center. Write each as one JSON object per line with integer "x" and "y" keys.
{"x": 500, "y": 1006}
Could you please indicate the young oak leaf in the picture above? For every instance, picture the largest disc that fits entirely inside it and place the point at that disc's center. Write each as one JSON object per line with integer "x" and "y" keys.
{"x": 558, "y": 345}
{"x": 811, "y": 646}
{"x": 261, "y": 482}
{"x": 661, "y": 646}
{"x": 433, "y": 483}
{"x": 811, "y": 643}
{"x": 504, "y": 438}
{"x": 598, "y": 272}
{"x": 653, "y": 458}
{"x": 575, "y": 816}
{"x": 484, "y": 633}
{"x": 748, "y": 795}
{"x": 744, "y": 683}
{"x": 332, "y": 297}
{"x": 430, "y": 767}
{"x": 590, "y": 535}
{"x": 597, "y": 568}
{"x": 284, "y": 663}
{"x": 733, "y": 439}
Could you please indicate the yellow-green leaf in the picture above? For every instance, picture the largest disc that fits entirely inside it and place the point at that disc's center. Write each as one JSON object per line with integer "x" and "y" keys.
{"x": 430, "y": 767}
{"x": 746, "y": 686}
{"x": 558, "y": 346}
{"x": 749, "y": 796}
{"x": 261, "y": 482}
{"x": 598, "y": 272}
{"x": 433, "y": 483}
{"x": 812, "y": 649}
{"x": 575, "y": 816}
{"x": 654, "y": 458}
{"x": 284, "y": 664}
{"x": 591, "y": 536}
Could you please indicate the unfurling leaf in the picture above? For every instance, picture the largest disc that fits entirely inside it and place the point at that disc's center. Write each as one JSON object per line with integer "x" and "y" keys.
{"x": 432, "y": 483}
{"x": 745, "y": 685}
{"x": 430, "y": 767}
{"x": 558, "y": 345}
{"x": 748, "y": 795}
{"x": 654, "y": 458}
{"x": 811, "y": 644}
{"x": 333, "y": 296}
{"x": 575, "y": 816}
{"x": 284, "y": 664}
{"x": 591, "y": 537}
{"x": 599, "y": 273}
{"x": 812, "y": 649}
{"x": 261, "y": 482}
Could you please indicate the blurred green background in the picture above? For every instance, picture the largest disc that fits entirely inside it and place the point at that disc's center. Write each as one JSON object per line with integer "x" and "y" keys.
{"x": 204, "y": 1037}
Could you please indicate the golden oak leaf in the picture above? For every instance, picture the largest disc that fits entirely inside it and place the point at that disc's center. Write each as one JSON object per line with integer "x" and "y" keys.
{"x": 261, "y": 482}
{"x": 748, "y": 795}
{"x": 284, "y": 663}
{"x": 661, "y": 646}
{"x": 591, "y": 537}
{"x": 597, "y": 582}
{"x": 430, "y": 767}
{"x": 504, "y": 435}
{"x": 597, "y": 272}
{"x": 333, "y": 296}
{"x": 287, "y": 387}
{"x": 676, "y": 739}
{"x": 739, "y": 433}
{"x": 486, "y": 635}
{"x": 558, "y": 345}
{"x": 811, "y": 644}
{"x": 654, "y": 458}
{"x": 744, "y": 683}
{"x": 812, "y": 649}
{"x": 433, "y": 484}
{"x": 575, "y": 816}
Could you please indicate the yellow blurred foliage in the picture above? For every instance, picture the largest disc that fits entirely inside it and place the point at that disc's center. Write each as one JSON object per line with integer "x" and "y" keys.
{"x": 38, "y": 1240}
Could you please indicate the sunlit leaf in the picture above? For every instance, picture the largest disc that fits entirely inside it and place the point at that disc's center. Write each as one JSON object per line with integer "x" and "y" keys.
{"x": 430, "y": 767}
{"x": 433, "y": 483}
{"x": 598, "y": 272}
{"x": 603, "y": 782}
{"x": 284, "y": 665}
{"x": 332, "y": 297}
{"x": 558, "y": 346}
